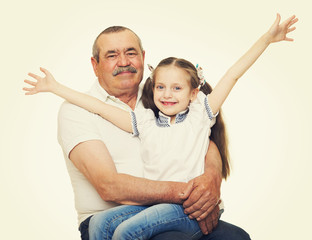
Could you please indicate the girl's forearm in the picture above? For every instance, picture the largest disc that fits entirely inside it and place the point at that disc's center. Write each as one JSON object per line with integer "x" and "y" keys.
{"x": 117, "y": 116}
{"x": 227, "y": 82}
{"x": 249, "y": 58}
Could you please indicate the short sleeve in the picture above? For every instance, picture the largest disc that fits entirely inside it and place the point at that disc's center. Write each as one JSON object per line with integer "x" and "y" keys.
{"x": 75, "y": 126}
{"x": 141, "y": 119}
{"x": 203, "y": 99}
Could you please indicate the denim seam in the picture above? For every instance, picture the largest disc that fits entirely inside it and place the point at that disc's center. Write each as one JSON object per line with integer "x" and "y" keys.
{"x": 114, "y": 219}
{"x": 161, "y": 223}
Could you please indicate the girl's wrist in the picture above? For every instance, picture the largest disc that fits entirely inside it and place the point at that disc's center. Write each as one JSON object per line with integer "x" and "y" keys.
{"x": 55, "y": 87}
{"x": 267, "y": 38}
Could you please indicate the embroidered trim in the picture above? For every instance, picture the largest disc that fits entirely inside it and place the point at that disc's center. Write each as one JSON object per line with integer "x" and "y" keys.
{"x": 134, "y": 124}
{"x": 208, "y": 109}
{"x": 163, "y": 121}
{"x": 181, "y": 116}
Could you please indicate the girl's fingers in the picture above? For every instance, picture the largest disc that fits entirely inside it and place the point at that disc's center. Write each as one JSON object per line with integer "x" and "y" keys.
{"x": 45, "y": 71}
{"x": 30, "y": 93}
{"x": 288, "y": 20}
{"x": 293, "y": 22}
{"x": 28, "y": 89}
{"x": 34, "y": 76}
{"x": 30, "y": 82}
{"x": 289, "y": 39}
{"x": 277, "y": 20}
{"x": 291, "y": 29}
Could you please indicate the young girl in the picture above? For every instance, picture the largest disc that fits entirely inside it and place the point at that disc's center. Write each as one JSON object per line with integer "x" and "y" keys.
{"x": 174, "y": 134}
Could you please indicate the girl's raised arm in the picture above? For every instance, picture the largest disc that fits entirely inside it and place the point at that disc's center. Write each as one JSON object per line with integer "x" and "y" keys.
{"x": 117, "y": 116}
{"x": 276, "y": 33}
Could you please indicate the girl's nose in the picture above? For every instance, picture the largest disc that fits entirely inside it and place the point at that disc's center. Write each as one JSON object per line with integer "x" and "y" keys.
{"x": 167, "y": 93}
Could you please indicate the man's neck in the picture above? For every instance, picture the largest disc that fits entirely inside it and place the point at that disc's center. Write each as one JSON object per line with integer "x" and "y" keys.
{"x": 130, "y": 100}
{"x": 128, "y": 96}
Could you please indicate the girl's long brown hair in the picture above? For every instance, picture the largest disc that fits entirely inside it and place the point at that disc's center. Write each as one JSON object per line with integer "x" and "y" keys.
{"x": 218, "y": 131}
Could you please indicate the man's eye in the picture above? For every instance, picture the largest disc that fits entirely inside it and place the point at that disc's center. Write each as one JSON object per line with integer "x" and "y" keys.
{"x": 111, "y": 56}
{"x": 131, "y": 53}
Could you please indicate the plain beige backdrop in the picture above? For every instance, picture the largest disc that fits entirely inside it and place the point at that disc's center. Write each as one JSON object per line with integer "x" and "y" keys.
{"x": 268, "y": 113}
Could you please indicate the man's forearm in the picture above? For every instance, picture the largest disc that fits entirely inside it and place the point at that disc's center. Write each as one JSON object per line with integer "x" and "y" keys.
{"x": 213, "y": 162}
{"x": 93, "y": 160}
{"x": 131, "y": 190}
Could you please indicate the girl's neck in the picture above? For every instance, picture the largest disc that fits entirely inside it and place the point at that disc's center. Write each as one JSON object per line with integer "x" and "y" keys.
{"x": 172, "y": 119}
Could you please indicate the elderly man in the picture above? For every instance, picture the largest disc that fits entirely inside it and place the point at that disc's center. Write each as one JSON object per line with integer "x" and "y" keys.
{"x": 104, "y": 162}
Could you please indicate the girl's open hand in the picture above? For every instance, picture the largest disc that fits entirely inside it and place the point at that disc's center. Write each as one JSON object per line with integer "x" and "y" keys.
{"x": 278, "y": 32}
{"x": 42, "y": 84}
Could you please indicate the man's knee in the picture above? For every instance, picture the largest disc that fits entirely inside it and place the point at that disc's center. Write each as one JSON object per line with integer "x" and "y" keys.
{"x": 171, "y": 236}
{"x": 227, "y": 231}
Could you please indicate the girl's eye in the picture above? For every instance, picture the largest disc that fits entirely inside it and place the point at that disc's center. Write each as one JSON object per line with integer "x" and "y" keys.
{"x": 160, "y": 87}
{"x": 177, "y": 88}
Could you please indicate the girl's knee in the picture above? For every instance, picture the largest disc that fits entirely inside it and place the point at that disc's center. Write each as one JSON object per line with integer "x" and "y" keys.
{"x": 100, "y": 227}
{"x": 123, "y": 231}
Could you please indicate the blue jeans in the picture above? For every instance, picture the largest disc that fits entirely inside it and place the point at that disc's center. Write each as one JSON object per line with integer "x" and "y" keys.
{"x": 224, "y": 231}
{"x": 142, "y": 222}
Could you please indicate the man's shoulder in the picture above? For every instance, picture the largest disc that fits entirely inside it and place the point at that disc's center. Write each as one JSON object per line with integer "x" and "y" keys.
{"x": 67, "y": 107}
{"x": 69, "y": 112}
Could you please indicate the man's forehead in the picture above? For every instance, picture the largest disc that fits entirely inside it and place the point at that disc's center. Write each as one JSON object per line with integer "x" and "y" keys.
{"x": 118, "y": 41}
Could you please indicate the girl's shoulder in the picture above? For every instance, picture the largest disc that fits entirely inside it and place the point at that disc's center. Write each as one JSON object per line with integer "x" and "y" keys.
{"x": 144, "y": 114}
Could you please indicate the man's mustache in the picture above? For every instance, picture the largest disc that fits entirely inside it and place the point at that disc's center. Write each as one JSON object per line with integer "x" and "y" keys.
{"x": 124, "y": 69}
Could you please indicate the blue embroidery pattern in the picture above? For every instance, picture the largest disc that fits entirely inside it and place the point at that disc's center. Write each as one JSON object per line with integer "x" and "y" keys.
{"x": 208, "y": 109}
{"x": 163, "y": 121}
{"x": 134, "y": 124}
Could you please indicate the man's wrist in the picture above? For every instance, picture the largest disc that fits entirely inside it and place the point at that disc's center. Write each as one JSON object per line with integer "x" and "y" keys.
{"x": 176, "y": 194}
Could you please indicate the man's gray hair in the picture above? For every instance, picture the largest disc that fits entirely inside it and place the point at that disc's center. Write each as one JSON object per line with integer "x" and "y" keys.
{"x": 113, "y": 29}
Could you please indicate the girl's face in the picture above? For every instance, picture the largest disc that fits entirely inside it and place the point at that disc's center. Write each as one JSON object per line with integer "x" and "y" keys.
{"x": 172, "y": 92}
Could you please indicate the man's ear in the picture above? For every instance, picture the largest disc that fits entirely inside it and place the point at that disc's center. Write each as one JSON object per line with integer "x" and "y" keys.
{"x": 194, "y": 94}
{"x": 94, "y": 63}
{"x": 143, "y": 53}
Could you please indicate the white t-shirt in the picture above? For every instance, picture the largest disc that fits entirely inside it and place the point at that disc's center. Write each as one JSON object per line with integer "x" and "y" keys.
{"x": 174, "y": 152}
{"x": 76, "y": 125}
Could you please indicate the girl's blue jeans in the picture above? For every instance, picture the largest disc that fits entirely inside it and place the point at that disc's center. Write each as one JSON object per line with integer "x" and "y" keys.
{"x": 141, "y": 222}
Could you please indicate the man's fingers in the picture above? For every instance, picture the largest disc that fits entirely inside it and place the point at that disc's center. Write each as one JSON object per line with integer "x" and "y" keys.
{"x": 203, "y": 227}
{"x": 211, "y": 209}
{"x": 203, "y": 214}
{"x": 187, "y": 191}
{"x": 209, "y": 225}
{"x": 204, "y": 203}
{"x": 193, "y": 198}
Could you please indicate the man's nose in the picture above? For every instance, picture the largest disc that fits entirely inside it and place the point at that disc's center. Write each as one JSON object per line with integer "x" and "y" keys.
{"x": 123, "y": 60}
